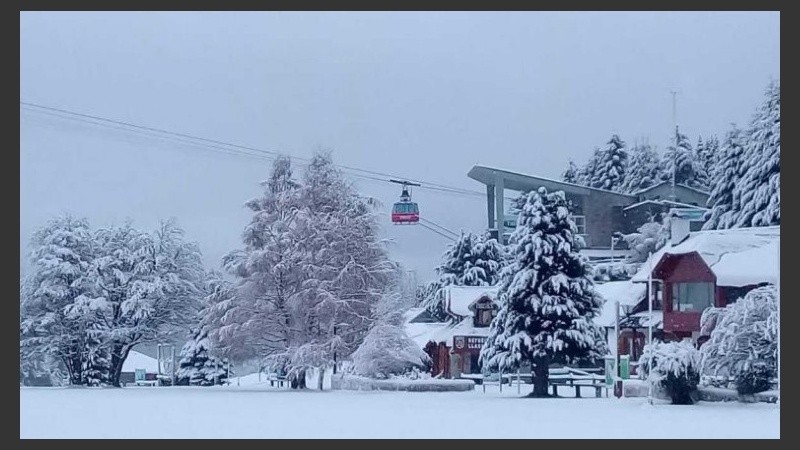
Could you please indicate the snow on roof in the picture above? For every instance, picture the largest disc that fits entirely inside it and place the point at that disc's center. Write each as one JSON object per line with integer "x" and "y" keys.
{"x": 627, "y": 293}
{"x": 738, "y": 256}
{"x": 662, "y": 202}
{"x": 412, "y": 314}
{"x": 421, "y": 333}
{"x": 460, "y": 298}
{"x": 641, "y": 191}
{"x": 755, "y": 265}
{"x": 136, "y": 360}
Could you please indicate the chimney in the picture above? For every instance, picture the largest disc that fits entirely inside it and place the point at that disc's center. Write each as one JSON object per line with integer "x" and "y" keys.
{"x": 678, "y": 227}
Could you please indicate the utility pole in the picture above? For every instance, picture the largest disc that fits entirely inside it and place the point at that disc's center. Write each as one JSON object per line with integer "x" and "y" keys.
{"x": 675, "y": 153}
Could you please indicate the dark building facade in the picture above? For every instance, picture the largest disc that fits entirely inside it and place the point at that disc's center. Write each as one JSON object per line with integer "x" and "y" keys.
{"x": 598, "y": 213}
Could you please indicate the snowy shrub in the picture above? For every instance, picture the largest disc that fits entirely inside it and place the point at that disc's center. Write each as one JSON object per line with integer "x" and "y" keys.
{"x": 757, "y": 377}
{"x": 386, "y": 349}
{"x": 614, "y": 272}
{"x": 673, "y": 366}
{"x": 746, "y": 331}
{"x": 647, "y": 239}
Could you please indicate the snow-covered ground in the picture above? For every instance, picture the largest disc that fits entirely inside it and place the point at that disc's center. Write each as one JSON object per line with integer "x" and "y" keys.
{"x": 254, "y": 410}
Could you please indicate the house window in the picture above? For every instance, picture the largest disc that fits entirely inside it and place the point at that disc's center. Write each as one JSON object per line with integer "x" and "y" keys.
{"x": 484, "y": 317}
{"x": 659, "y": 295}
{"x": 692, "y": 296}
{"x": 580, "y": 223}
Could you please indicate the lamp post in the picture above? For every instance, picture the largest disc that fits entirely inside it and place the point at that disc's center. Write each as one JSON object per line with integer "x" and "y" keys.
{"x": 650, "y": 325}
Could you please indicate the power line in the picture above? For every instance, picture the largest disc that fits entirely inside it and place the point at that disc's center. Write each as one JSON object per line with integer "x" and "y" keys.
{"x": 159, "y": 132}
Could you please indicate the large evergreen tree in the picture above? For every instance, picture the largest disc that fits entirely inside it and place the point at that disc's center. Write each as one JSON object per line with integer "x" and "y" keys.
{"x": 760, "y": 202}
{"x": 724, "y": 179}
{"x": 547, "y": 295}
{"x": 610, "y": 170}
{"x": 472, "y": 260}
{"x": 571, "y": 174}
{"x": 680, "y": 161}
{"x": 643, "y": 169}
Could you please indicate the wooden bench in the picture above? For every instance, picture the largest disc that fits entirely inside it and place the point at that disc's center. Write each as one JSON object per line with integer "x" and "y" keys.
{"x": 279, "y": 380}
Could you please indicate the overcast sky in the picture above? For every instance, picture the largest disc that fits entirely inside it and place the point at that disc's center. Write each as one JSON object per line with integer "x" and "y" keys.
{"x": 419, "y": 95}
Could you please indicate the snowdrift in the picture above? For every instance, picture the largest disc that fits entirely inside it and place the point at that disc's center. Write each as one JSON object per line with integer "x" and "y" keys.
{"x": 357, "y": 383}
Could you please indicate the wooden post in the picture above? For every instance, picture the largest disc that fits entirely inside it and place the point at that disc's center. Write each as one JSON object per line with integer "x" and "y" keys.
{"x": 519, "y": 382}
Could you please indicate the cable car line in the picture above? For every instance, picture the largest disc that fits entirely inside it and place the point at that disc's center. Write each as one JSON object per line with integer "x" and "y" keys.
{"x": 430, "y": 222}
{"x": 436, "y": 231}
{"x": 159, "y": 131}
{"x": 209, "y": 143}
{"x": 403, "y": 212}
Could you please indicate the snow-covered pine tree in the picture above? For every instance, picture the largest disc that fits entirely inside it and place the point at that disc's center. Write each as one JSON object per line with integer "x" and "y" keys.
{"x": 611, "y": 167}
{"x": 571, "y": 174}
{"x": 682, "y": 161}
{"x": 708, "y": 157}
{"x": 724, "y": 179}
{"x": 197, "y": 367}
{"x": 585, "y": 174}
{"x": 547, "y": 295}
{"x": 472, "y": 260}
{"x": 643, "y": 170}
{"x": 760, "y": 203}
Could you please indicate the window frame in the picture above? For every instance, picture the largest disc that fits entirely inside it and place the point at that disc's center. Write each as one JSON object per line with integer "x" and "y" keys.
{"x": 677, "y": 295}
{"x": 583, "y": 225}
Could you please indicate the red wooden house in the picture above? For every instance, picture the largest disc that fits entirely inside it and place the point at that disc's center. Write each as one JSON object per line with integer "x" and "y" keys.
{"x": 692, "y": 272}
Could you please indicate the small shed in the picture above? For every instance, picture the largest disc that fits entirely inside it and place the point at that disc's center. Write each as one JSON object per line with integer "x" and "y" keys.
{"x": 145, "y": 366}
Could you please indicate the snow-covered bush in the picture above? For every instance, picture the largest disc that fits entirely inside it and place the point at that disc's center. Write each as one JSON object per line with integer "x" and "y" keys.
{"x": 618, "y": 271}
{"x": 757, "y": 377}
{"x": 746, "y": 332}
{"x": 386, "y": 349}
{"x": 673, "y": 366}
{"x": 647, "y": 239}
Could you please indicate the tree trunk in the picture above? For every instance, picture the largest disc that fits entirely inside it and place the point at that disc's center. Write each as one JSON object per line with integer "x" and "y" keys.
{"x": 73, "y": 365}
{"x": 118, "y": 355}
{"x": 540, "y": 377}
{"x": 321, "y": 378}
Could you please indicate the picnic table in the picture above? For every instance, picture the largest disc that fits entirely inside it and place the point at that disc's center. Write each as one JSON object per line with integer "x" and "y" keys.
{"x": 578, "y": 381}
{"x": 563, "y": 376}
